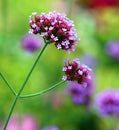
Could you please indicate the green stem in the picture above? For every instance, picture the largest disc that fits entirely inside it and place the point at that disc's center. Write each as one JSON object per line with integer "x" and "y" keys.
{"x": 22, "y": 87}
{"x": 8, "y": 84}
{"x": 43, "y": 91}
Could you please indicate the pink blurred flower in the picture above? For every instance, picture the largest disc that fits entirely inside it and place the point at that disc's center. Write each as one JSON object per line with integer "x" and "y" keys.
{"x": 13, "y": 124}
{"x": 29, "y": 123}
{"x": 22, "y": 123}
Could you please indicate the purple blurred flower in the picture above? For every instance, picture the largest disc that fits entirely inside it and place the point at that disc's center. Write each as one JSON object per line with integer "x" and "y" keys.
{"x": 112, "y": 49}
{"x": 55, "y": 28}
{"x": 89, "y": 60}
{"x": 31, "y": 43}
{"x": 51, "y": 128}
{"x": 117, "y": 128}
{"x": 22, "y": 123}
{"x": 74, "y": 71}
{"x": 107, "y": 103}
{"x": 81, "y": 93}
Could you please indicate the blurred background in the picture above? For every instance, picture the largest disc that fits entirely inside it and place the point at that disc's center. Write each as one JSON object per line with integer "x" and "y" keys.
{"x": 97, "y": 25}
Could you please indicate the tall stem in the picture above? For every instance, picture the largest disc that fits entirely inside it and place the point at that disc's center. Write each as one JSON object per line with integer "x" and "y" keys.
{"x": 22, "y": 87}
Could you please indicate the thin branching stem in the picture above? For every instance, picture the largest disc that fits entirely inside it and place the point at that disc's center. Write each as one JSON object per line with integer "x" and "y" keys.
{"x": 22, "y": 87}
{"x": 43, "y": 91}
{"x": 8, "y": 84}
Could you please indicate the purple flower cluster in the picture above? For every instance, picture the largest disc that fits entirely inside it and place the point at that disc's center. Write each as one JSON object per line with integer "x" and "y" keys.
{"x": 112, "y": 49}
{"x": 107, "y": 103}
{"x": 74, "y": 71}
{"x": 80, "y": 94}
{"x": 55, "y": 27}
{"x": 31, "y": 43}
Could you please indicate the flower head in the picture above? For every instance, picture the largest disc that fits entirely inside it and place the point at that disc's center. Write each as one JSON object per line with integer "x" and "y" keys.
{"x": 55, "y": 27}
{"x": 74, "y": 71}
{"x": 31, "y": 43}
{"x": 112, "y": 49}
{"x": 107, "y": 102}
{"x": 80, "y": 94}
